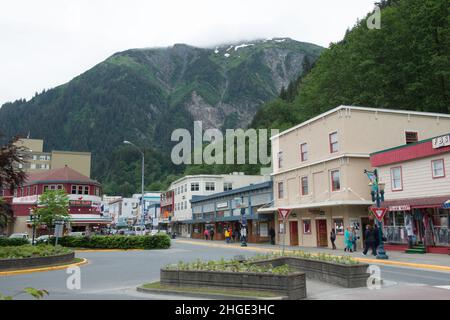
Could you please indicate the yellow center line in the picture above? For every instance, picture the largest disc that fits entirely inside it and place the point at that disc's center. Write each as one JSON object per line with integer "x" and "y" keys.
{"x": 367, "y": 260}
{"x": 43, "y": 269}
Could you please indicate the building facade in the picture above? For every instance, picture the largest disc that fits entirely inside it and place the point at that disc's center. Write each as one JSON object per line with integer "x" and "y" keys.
{"x": 38, "y": 160}
{"x": 417, "y": 192}
{"x": 223, "y": 210}
{"x": 84, "y": 199}
{"x": 185, "y": 188}
{"x": 319, "y": 168}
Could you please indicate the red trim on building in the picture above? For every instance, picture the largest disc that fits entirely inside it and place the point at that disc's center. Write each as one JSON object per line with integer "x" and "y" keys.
{"x": 405, "y": 153}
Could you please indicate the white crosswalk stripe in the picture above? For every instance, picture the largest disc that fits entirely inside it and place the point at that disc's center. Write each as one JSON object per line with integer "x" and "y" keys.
{"x": 443, "y": 287}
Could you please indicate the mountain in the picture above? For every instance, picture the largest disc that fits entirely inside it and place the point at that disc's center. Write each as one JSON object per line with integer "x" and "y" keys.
{"x": 142, "y": 95}
{"x": 403, "y": 65}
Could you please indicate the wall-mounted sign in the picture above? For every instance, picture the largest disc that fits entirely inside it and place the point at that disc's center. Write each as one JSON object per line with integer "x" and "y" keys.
{"x": 222, "y": 205}
{"x": 80, "y": 203}
{"x": 441, "y": 141}
{"x": 405, "y": 207}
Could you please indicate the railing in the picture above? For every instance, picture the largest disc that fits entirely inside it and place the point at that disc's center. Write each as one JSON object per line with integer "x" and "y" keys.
{"x": 395, "y": 234}
{"x": 442, "y": 236}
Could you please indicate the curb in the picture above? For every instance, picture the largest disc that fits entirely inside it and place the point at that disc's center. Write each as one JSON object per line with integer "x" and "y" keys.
{"x": 43, "y": 269}
{"x": 216, "y": 296}
{"x": 107, "y": 250}
{"x": 373, "y": 261}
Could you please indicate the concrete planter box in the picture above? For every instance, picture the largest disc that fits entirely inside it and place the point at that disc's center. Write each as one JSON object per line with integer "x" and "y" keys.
{"x": 292, "y": 285}
{"x": 348, "y": 276}
{"x": 25, "y": 263}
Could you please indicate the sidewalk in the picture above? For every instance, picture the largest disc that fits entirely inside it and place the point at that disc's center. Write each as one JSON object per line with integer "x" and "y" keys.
{"x": 438, "y": 262}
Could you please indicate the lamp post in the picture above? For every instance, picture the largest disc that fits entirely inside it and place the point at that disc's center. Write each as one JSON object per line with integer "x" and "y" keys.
{"x": 142, "y": 181}
{"x": 377, "y": 196}
{"x": 33, "y": 224}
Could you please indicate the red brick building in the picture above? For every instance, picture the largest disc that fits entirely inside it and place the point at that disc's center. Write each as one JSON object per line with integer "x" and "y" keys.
{"x": 84, "y": 198}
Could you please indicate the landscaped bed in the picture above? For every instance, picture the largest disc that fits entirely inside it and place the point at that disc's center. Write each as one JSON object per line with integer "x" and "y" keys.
{"x": 28, "y": 256}
{"x": 158, "y": 241}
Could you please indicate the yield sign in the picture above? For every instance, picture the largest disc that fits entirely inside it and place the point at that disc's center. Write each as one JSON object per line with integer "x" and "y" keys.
{"x": 283, "y": 213}
{"x": 379, "y": 213}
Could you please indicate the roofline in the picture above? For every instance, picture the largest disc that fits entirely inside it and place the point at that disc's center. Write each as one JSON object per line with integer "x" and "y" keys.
{"x": 408, "y": 145}
{"x": 94, "y": 182}
{"x": 344, "y": 107}
{"x": 72, "y": 152}
{"x": 265, "y": 184}
{"x": 212, "y": 176}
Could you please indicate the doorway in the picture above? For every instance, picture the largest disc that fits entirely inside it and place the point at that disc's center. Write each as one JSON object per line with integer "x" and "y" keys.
{"x": 321, "y": 232}
{"x": 293, "y": 227}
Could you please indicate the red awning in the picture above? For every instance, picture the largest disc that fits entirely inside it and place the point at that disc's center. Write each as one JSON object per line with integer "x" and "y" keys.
{"x": 415, "y": 203}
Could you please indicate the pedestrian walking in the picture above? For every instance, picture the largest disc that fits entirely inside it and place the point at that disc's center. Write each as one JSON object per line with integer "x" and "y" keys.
{"x": 333, "y": 238}
{"x": 369, "y": 241}
{"x": 206, "y": 233}
{"x": 211, "y": 234}
{"x": 272, "y": 235}
{"x": 348, "y": 240}
{"x": 354, "y": 238}
{"x": 227, "y": 235}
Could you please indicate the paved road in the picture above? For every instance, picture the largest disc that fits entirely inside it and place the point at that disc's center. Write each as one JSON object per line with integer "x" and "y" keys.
{"x": 115, "y": 275}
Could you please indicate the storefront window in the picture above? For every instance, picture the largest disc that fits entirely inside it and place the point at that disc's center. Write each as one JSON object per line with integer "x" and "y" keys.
{"x": 306, "y": 226}
{"x": 338, "y": 226}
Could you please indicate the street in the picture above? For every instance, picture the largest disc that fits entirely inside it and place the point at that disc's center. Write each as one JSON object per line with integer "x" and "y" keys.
{"x": 115, "y": 275}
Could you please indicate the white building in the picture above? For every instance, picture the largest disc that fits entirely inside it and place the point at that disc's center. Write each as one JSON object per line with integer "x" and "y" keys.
{"x": 199, "y": 185}
{"x": 124, "y": 211}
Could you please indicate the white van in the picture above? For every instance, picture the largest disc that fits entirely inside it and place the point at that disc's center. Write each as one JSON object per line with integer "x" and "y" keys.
{"x": 140, "y": 230}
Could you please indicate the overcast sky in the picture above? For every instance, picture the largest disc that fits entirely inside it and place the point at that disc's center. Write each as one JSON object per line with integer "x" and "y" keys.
{"x": 46, "y": 43}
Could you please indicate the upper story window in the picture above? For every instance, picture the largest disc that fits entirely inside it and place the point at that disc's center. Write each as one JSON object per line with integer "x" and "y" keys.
{"x": 280, "y": 160}
{"x": 411, "y": 137}
{"x": 335, "y": 180}
{"x": 437, "y": 168}
{"x": 396, "y": 179}
{"x": 280, "y": 190}
{"x": 304, "y": 186}
{"x": 53, "y": 187}
{"x": 227, "y": 186}
{"x": 76, "y": 189}
{"x": 195, "y": 186}
{"x": 304, "y": 151}
{"x": 334, "y": 143}
{"x": 35, "y": 157}
{"x": 210, "y": 186}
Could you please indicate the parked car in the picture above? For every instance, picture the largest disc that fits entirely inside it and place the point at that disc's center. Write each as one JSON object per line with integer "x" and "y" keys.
{"x": 129, "y": 233}
{"x": 77, "y": 234}
{"x": 43, "y": 239}
{"x": 20, "y": 236}
{"x": 153, "y": 232}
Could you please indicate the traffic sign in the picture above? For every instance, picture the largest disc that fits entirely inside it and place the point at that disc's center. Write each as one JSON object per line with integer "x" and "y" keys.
{"x": 284, "y": 213}
{"x": 379, "y": 213}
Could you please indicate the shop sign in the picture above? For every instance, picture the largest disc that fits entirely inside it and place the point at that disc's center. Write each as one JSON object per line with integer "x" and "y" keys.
{"x": 446, "y": 204}
{"x": 222, "y": 205}
{"x": 442, "y": 141}
{"x": 405, "y": 207}
{"x": 80, "y": 203}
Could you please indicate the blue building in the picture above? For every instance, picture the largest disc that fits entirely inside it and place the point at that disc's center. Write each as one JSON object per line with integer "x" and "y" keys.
{"x": 224, "y": 209}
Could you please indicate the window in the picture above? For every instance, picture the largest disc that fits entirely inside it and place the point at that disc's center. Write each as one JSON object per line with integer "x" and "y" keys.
{"x": 280, "y": 190}
{"x": 86, "y": 190}
{"x": 210, "y": 186}
{"x": 437, "y": 168}
{"x": 74, "y": 189}
{"x": 304, "y": 152}
{"x": 35, "y": 157}
{"x": 396, "y": 179}
{"x": 306, "y": 226}
{"x": 227, "y": 186}
{"x": 411, "y": 137}
{"x": 335, "y": 180}
{"x": 185, "y": 187}
{"x": 338, "y": 226}
{"x": 195, "y": 186}
{"x": 280, "y": 160}
{"x": 42, "y": 158}
{"x": 33, "y": 166}
{"x": 334, "y": 144}
{"x": 304, "y": 186}
{"x": 79, "y": 189}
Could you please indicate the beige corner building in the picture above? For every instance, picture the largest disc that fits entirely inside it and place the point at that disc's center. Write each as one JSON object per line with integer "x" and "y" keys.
{"x": 38, "y": 160}
{"x": 319, "y": 168}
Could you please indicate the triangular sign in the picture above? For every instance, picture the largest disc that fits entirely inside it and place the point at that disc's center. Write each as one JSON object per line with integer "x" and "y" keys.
{"x": 284, "y": 213}
{"x": 379, "y": 213}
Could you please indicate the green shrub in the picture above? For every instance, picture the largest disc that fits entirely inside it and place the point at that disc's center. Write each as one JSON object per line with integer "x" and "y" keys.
{"x": 158, "y": 241}
{"x": 12, "y": 242}
{"x": 29, "y": 251}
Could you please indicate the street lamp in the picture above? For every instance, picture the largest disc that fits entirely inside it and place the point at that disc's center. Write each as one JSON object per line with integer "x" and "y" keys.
{"x": 377, "y": 196}
{"x": 142, "y": 180}
{"x": 33, "y": 224}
